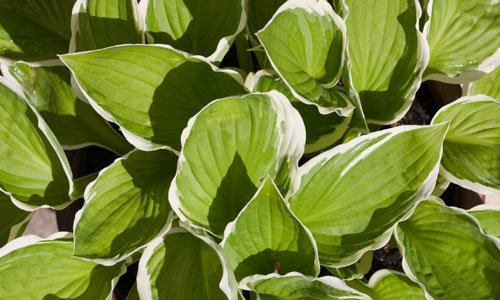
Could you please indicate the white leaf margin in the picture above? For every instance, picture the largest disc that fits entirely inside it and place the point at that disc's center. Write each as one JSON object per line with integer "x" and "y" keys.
{"x": 483, "y": 207}
{"x": 323, "y": 141}
{"x": 29, "y": 240}
{"x": 136, "y": 140}
{"x": 288, "y": 121}
{"x": 90, "y": 197}
{"x": 331, "y": 281}
{"x": 8, "y": 74}
{"x": 424, "y": 56}
{"x": 49, "y": 135}
{"x": 422, "y": 193}
{"x": 381, "y": 274}
{"x": 407, "y": 268}
{"x": 80, "y": 6}
{"x": 351, "y": 90}
{"x": 321, "y": 8}
{"x": 16, "y": 228}
{"x": 227, "y": 283}
{"x": 474, "y": 186}
{"x": 231, "y": 227}
{"x": 223, "y": 45}
{"x": 485, "y": 67}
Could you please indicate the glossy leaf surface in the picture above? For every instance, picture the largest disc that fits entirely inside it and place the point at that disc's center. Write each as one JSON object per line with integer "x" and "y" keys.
{"x": 193, "y": 26}
{"x": 321, "y": 130}
{"x": 297, "y": 286}
{"x": 487, "y": 85}
{"x": 446, "y": 251}
{"x": 73, "y": 121}
{"x": 463, "y": 39}
{"x": 98, "y": 24}
{"x": 488, "y": 217}
{"x": 228, "y": 149}
{"x": 266, "y": 237}
{"x": 150, "y": 91}
{"x": 388, "y": 56}
{"x": 471, "y": 156}
{"x": 305, "y": 42}
{"x": 126, "y": 207}
{"x": 183, "y": 266}
{"x": 33, "y": 168}
{"x": 351, "y": 196}
{"x": 45, "y": 269}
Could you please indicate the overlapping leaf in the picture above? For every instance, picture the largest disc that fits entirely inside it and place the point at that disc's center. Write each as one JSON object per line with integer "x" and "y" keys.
{"x": 463, "y": 39}
{"x": 181, "y": 265}
{"x": 199, "y": 27}
{"x": 305, "y": 42}
{"x": 98, "y": 24}
{"x": 228, "y": 149}
{"x": 350, "y": 197}
{"x": 321, "y": 130}
{"x": 388, "y": 55}
{"x": 150, "y": 91}
{"x": 471, "y": 155}
{"x": 45, "y": 269}
{"x": 260, "y": 12}
{"x": 126, "y": 207}
{"x": 489, "y": 218}
{"x": 12, "y": 219}
{"x": 33, "y": 30}
{"x": 33, "y": 168}
{"x": 390, "y": 285}
{"x": 446, "y": 251}
{"x": 488, "y": 85}
{"x": 297, "y": 286}
{"x": 73, "y": 121}
{"x": 356, "y": 270}
{"x": 266, "y": 237}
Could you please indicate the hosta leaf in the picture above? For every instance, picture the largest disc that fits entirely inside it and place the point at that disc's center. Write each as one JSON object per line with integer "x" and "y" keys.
{"x": 388, "y": 56}
{"x": 73, "y": 121}
{"x": 297, "y": 286}
{"x": 351, "y": 196}
{"x": 32, "y": 268}
{"x": 181, "y": 265}
{"x": 150, "y": 91}
{"x": 195, "y": 26}
{"x": 358, "y": 123}
{"x": 33, "y": 168}
{"x": 356, "y": 270}
{"x": 305, "y": 42}
{"x": 33, "y": 30}
{"x": 98, "y": 24}
{"x": 489, "y": 218}
{"x": 321, "y": 130}
{"x": 471, "y": 156}
{"x": 12, "y": 219}
{"x": 446, "y": 251}
{"x": 266, "y": 237}
{"x": 126, "y": 207}
{"x": 441, "y": 186}
{"x": 260, "y": 12}
{"x": 228, "y": 149}
{"x": 133, "y": 294}
{"x": 390, "y": 285}
{"x": 488, "y": 85}
{"x": 463, "y": 39}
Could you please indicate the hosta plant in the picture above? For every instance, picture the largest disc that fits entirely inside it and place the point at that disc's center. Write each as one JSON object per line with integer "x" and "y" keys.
{"x": 259, "y": 148}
